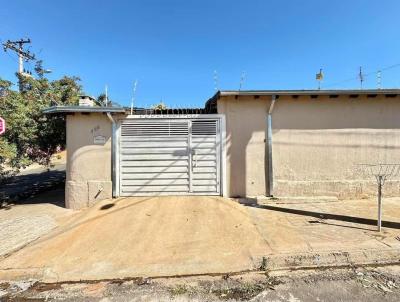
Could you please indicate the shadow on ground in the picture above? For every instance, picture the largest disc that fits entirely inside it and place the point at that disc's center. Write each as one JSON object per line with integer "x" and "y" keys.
{"x": 321, "y": 215}
{"x": 22, "y": 189}
{"x": 54, "y": 195}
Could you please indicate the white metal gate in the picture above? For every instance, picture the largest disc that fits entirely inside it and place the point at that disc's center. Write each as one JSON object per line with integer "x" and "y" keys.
{"x": 167, "y": 156}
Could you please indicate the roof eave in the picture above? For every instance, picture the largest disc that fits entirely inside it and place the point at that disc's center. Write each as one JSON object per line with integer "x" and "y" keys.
{"x": 85, "y": 109}
{"x": 307, "y": 92}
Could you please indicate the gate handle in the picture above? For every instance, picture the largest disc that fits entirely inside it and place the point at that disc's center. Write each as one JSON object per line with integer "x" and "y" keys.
{"x": 194, "y": 153}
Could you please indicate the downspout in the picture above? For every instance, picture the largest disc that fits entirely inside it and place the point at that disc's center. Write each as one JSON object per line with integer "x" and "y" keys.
{"x": 113, "y": 150}
{"x": 269, "y": 142}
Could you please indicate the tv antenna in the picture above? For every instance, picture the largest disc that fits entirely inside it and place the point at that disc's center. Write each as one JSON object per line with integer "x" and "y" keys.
{"x": 133, "y": 96}
{"x": 361, "y": 78}
{"x": 319, "y": 77}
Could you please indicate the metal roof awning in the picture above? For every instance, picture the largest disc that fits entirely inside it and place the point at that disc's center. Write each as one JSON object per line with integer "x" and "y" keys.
{"x": 83, "y": 109}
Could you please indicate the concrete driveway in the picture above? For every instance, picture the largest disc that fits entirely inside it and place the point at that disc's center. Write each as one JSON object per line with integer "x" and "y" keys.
{"x": 149, "y": 236}
{"x": 168, "y": 236}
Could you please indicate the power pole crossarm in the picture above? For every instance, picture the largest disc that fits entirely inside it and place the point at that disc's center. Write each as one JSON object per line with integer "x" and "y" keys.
{"x": 18, "y": 48}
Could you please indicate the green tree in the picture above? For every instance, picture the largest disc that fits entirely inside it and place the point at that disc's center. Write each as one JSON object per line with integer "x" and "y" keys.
{"x": 32, "y": 136}
{"x": 101, "y": 101}
{"x": 159, "y": 106}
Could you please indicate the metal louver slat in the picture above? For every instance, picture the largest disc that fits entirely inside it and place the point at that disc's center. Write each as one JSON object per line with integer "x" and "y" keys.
{"x": 154, "y": 128}
{"x": 166, "y": 156}
{"x": 154, "y": 157}
{"x": 205, "y": 151}
{"x": 204, "y": 127}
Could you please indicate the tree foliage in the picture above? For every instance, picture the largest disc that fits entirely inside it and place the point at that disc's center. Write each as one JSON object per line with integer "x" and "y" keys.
{"x": 101, "y": 101}
{"x": 32, "y": 136}
{"x": 159, "y": 106}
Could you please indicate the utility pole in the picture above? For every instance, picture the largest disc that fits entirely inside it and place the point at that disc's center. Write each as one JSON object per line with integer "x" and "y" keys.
{"x": 18, "y": 47}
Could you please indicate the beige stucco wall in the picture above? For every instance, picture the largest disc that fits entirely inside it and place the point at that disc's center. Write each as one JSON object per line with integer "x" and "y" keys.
{"x": 317, "y": 144}
{"x": 245, "y": 145}
{"x": 88, "y": 164}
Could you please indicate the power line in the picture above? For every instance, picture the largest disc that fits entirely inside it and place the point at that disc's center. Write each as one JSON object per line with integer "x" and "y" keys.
{"x": 11, "y": 57}
{"x": 8, "y": 54}
{"x": 23, "y": 55}
{"x": 18, "y": 47}
{"x": 364, "y": 75}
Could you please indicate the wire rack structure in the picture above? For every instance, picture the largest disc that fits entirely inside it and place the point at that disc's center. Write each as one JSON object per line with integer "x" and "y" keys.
{"x": 381, "y": 173}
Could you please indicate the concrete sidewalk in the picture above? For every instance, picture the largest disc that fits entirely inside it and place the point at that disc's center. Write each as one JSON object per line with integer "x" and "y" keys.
{"x": 31, "y": 219}
{"x": 307, "y": 234}
{"x": 166, "y": 236}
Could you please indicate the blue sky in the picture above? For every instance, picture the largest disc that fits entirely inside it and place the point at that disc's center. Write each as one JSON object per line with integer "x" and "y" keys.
{"x": 173, "y": 47}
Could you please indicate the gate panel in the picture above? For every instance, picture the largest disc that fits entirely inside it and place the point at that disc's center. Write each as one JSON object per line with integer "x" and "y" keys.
{"x": 164, "y": 156}
{"x": 154, "y": 157}
{"x": 205, "y": 151}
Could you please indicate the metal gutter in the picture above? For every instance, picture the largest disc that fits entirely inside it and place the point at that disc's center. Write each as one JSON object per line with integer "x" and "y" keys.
{"x": 269, "y": 142}
{"x": 88, "y": 109}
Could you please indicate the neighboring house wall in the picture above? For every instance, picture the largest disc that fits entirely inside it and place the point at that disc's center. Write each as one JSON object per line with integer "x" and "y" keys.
{"x": 317, "y": 144}
{"x": 88, "y": 164}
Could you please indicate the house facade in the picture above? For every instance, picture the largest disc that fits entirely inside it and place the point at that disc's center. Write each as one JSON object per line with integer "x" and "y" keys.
{"x": 243, "y": 144}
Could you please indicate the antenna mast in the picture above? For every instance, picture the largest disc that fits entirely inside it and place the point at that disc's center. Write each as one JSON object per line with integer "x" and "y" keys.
{"x": 361, "y": 77}
{"x": 106, "y": 100}
{"x": 319, "y": 77}
{"x": 215, "y": 80}
{"x": 379, "y": 79}
{"x": 242, "y": 78}
{"x": 133, "y": 96}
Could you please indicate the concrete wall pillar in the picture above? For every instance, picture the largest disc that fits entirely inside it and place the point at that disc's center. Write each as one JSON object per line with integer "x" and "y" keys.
{"x": 88, "y": 176}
